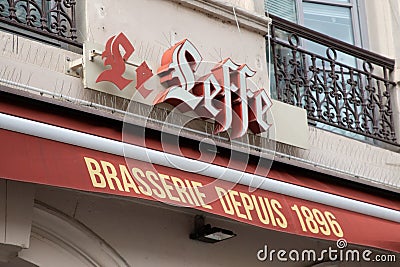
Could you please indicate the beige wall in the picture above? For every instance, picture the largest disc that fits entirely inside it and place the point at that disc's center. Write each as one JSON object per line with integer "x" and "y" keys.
{"x": 383, "y": 27}
{"x": 153, "y": 26}
{"x": 158, "y": 236}
{"x": 383, "y": 21}
{"x": 34, "y": 64}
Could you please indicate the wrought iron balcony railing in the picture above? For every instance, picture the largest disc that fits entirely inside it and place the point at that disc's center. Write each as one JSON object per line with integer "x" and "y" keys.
{"x": 52, "y": 18}
{"x": 340, "y": 85}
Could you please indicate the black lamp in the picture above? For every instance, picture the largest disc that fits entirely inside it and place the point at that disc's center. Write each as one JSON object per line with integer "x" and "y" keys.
{"x": 206, "y": 233}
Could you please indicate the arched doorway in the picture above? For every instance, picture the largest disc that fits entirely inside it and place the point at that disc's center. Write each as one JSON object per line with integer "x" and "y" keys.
{"x": 59, "y": 240}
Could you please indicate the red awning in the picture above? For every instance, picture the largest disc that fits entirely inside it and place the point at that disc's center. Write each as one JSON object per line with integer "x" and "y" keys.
{"x": 51, "y": 159}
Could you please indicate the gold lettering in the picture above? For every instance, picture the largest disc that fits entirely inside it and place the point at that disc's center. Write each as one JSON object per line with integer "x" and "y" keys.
{"x": 168, "y": 188}
{"x": 111, "y": 175}
{"x": 127, "y": 179}
{"x": 262, "y": 215}
{"x": 247, "y": 204}
{"x": 181, "y": 189}
{"x": 222, "y": 194}
{"x": 276, "y": 206}
{"x": 200, "y": 195}
{"x": 270, "y": 212}
{"x": 151, "y": 176}
{"x": 236, "y": 204}
{"x": 94, "y": 170}
{"x": 139, "y": 175}
{"x": 192, "y": 194}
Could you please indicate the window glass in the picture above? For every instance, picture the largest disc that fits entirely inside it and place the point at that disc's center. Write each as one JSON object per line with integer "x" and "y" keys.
{"x": 334, "y": 21}
{"x": 26, "y": 12}
{"x": 35, "y": 9}
{"x": 285, "y": 9}
{"x": 4, "y": 8}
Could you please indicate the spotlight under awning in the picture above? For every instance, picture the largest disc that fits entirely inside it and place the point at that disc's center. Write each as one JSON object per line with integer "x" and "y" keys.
{"x": 208, "y": 234}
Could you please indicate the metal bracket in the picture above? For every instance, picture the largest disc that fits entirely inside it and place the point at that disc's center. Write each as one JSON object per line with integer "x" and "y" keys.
{"x": 95, "y": 53}
{"x": 74, "y": 67}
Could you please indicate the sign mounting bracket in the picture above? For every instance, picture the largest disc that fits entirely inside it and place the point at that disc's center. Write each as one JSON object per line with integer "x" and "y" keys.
{"x": 74, "y": 67}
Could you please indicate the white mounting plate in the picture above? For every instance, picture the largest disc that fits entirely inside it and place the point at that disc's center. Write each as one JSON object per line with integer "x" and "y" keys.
{"x": 93, "y": 66}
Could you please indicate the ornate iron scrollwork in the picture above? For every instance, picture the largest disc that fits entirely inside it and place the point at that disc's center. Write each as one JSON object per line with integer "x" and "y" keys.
{"x": 55, "y": 18}
{"x": 337, "y": 87}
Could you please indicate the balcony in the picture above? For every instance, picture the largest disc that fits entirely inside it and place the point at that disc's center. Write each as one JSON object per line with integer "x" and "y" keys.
{"x": 41, "y": 19}
{"x": 344, "y": 88}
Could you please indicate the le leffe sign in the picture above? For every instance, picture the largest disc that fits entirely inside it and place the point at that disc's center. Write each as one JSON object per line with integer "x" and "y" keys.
{"x": 223, "y": 94}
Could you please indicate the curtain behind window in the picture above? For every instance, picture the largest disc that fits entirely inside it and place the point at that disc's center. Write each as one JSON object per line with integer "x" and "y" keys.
{"x": 335, "y": 21}
{"x": 285, "y": 9}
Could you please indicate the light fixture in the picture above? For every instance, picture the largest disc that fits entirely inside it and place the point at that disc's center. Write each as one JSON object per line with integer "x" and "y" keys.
{"x": 206, "y": 233}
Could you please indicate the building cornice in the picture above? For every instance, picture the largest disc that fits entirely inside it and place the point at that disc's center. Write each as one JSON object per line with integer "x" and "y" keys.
{"x": 228, "y": 12}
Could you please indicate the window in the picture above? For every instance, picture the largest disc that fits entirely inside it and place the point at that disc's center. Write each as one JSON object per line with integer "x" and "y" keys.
{"x": 30, "y": 12}
{"x": 53, "y": 20}
{"x": 336, "y": 18}
{"x": 331, "y": 90}
{"x": 285, "y": 9}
